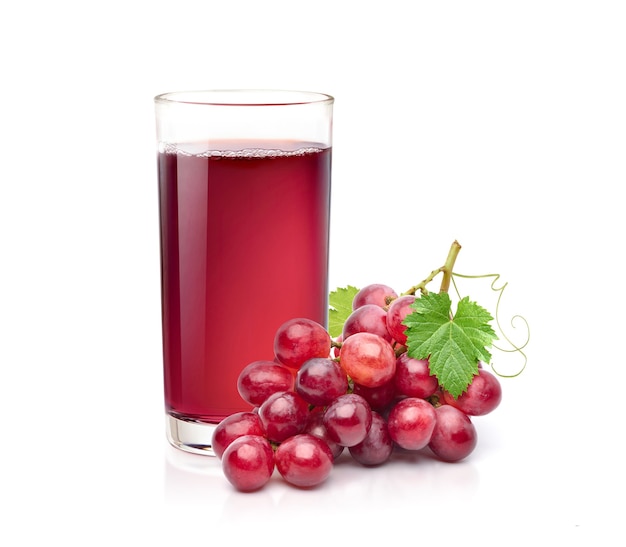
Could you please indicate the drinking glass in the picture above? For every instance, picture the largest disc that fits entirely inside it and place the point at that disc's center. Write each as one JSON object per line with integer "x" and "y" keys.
{"x": 244, "y": 203}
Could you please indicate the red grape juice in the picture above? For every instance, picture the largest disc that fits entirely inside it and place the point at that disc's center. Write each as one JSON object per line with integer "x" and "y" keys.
{"x": 244, "y": 247}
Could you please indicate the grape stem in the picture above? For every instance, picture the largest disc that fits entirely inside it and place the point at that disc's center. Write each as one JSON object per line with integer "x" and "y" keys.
{"x": 446, "y": 269}
{"x": 449, "y": 266}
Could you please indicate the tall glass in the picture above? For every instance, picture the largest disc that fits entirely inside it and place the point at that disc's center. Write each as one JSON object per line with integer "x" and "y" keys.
{"x": 244, "y": 200}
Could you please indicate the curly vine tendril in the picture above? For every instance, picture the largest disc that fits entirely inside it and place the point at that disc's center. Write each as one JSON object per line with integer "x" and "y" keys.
{"x": 514, "y": 348}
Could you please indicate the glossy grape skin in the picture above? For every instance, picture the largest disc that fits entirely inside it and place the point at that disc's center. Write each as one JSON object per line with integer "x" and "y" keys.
{"x": 260, "y": 379}
{"x": 248, "y": 462}
{"x": 411, "y": 422}
{"x": 397, "y": 312}
{"x": 315, "y": 426}
{"x": 379, "y": 397}
{"x": 368, "y": 359}
{"x": 304, "y": 460}
{"x": 348, "y": 419}
{"x": 413, "y": 378}
{"x": 454, "y": 436}
{"x": 375, "y": 293}
{"x": 482, "y": 396}
{"x": 321, "y": 380}
{"x": 377, "y": 446}
{"x": 234, "y": 426}
{"x": 283, "y": 415}
{"x": 298, "y": 340}
{"x": 367, "y": 318}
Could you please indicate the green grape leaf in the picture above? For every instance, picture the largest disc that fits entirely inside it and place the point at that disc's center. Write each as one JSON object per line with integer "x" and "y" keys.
{"x": 453, "y": 345}
{"x": 340, "y": 307}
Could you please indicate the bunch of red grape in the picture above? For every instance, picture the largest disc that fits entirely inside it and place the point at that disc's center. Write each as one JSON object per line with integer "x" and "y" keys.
{"x": 361, "y": 393}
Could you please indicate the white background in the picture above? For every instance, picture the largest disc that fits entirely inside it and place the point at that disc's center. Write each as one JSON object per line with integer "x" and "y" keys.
{"x": 500, "y": 124}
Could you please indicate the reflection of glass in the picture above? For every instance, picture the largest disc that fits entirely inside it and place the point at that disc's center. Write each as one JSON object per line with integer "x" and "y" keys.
{"x": 188, "y": 477}
{"x": 191, "y": 479}
{"x": 244, "y": 189}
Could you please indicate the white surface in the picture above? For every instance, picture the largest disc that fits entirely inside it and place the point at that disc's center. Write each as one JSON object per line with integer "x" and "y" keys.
{"x": 506, "y": 124}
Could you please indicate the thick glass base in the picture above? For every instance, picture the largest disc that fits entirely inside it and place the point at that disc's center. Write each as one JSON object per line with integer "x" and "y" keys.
{"x": 190, "y": 436}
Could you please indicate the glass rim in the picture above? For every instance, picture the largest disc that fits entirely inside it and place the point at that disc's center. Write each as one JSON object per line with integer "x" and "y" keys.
{"x": 244, "y": 97}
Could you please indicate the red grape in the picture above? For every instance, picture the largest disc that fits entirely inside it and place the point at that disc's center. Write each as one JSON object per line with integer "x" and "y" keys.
{"x": 379, "y": 397}
{"x": 367, "y": 318}
{"x": 304, "y": 460}
{"x": 321, "y": 380}
{"x": 454, "y": 436}
{"x": 377, "y": 446}
{"x": 348, "y": 419}
{"x": 283, "y": 415}
{"x": 260, "y": 379}
{"x": 359, "y": 393}
{"x": 375, "y": 293}
{"x": 315, "y": 426}
{"x": 411, "y": 422}
{"x": 298, "y": 340}
{"x": 413, "y": 378}
{"x": 248, "y": 462}
{"x": 234, "y": 426}
{"x": 398, "y": 310}
{"x": 482, "y": 396}
{"x": 368, "y": 359}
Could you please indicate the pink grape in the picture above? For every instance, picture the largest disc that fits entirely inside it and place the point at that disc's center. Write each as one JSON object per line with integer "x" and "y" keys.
{"x": 315, "y": 426}
{"x": 413, "y": 378}
{"x": 304, "y": 460}
{"x": 368, "y": 359}
{"x": 411, "y": 422}
{"x": 367, "y": 318}
{"x": 482, "y": 396}
{"x": 454, "y": 436}
{"x": 348, "y": 419}
{"x": 375, "y": 293}
{"x": 397, "y": 312}
{"x": 377, "y": 446}
{"x": 248, "y": 462}
{"x": 260, "y": 379}
{"x": 283, "y": 415}
{"x": 234, "y": 426}
{"x": 321, "y": 380}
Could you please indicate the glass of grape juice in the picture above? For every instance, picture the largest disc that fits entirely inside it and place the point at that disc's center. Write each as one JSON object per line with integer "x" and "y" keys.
{"x": 244, "y": 182}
